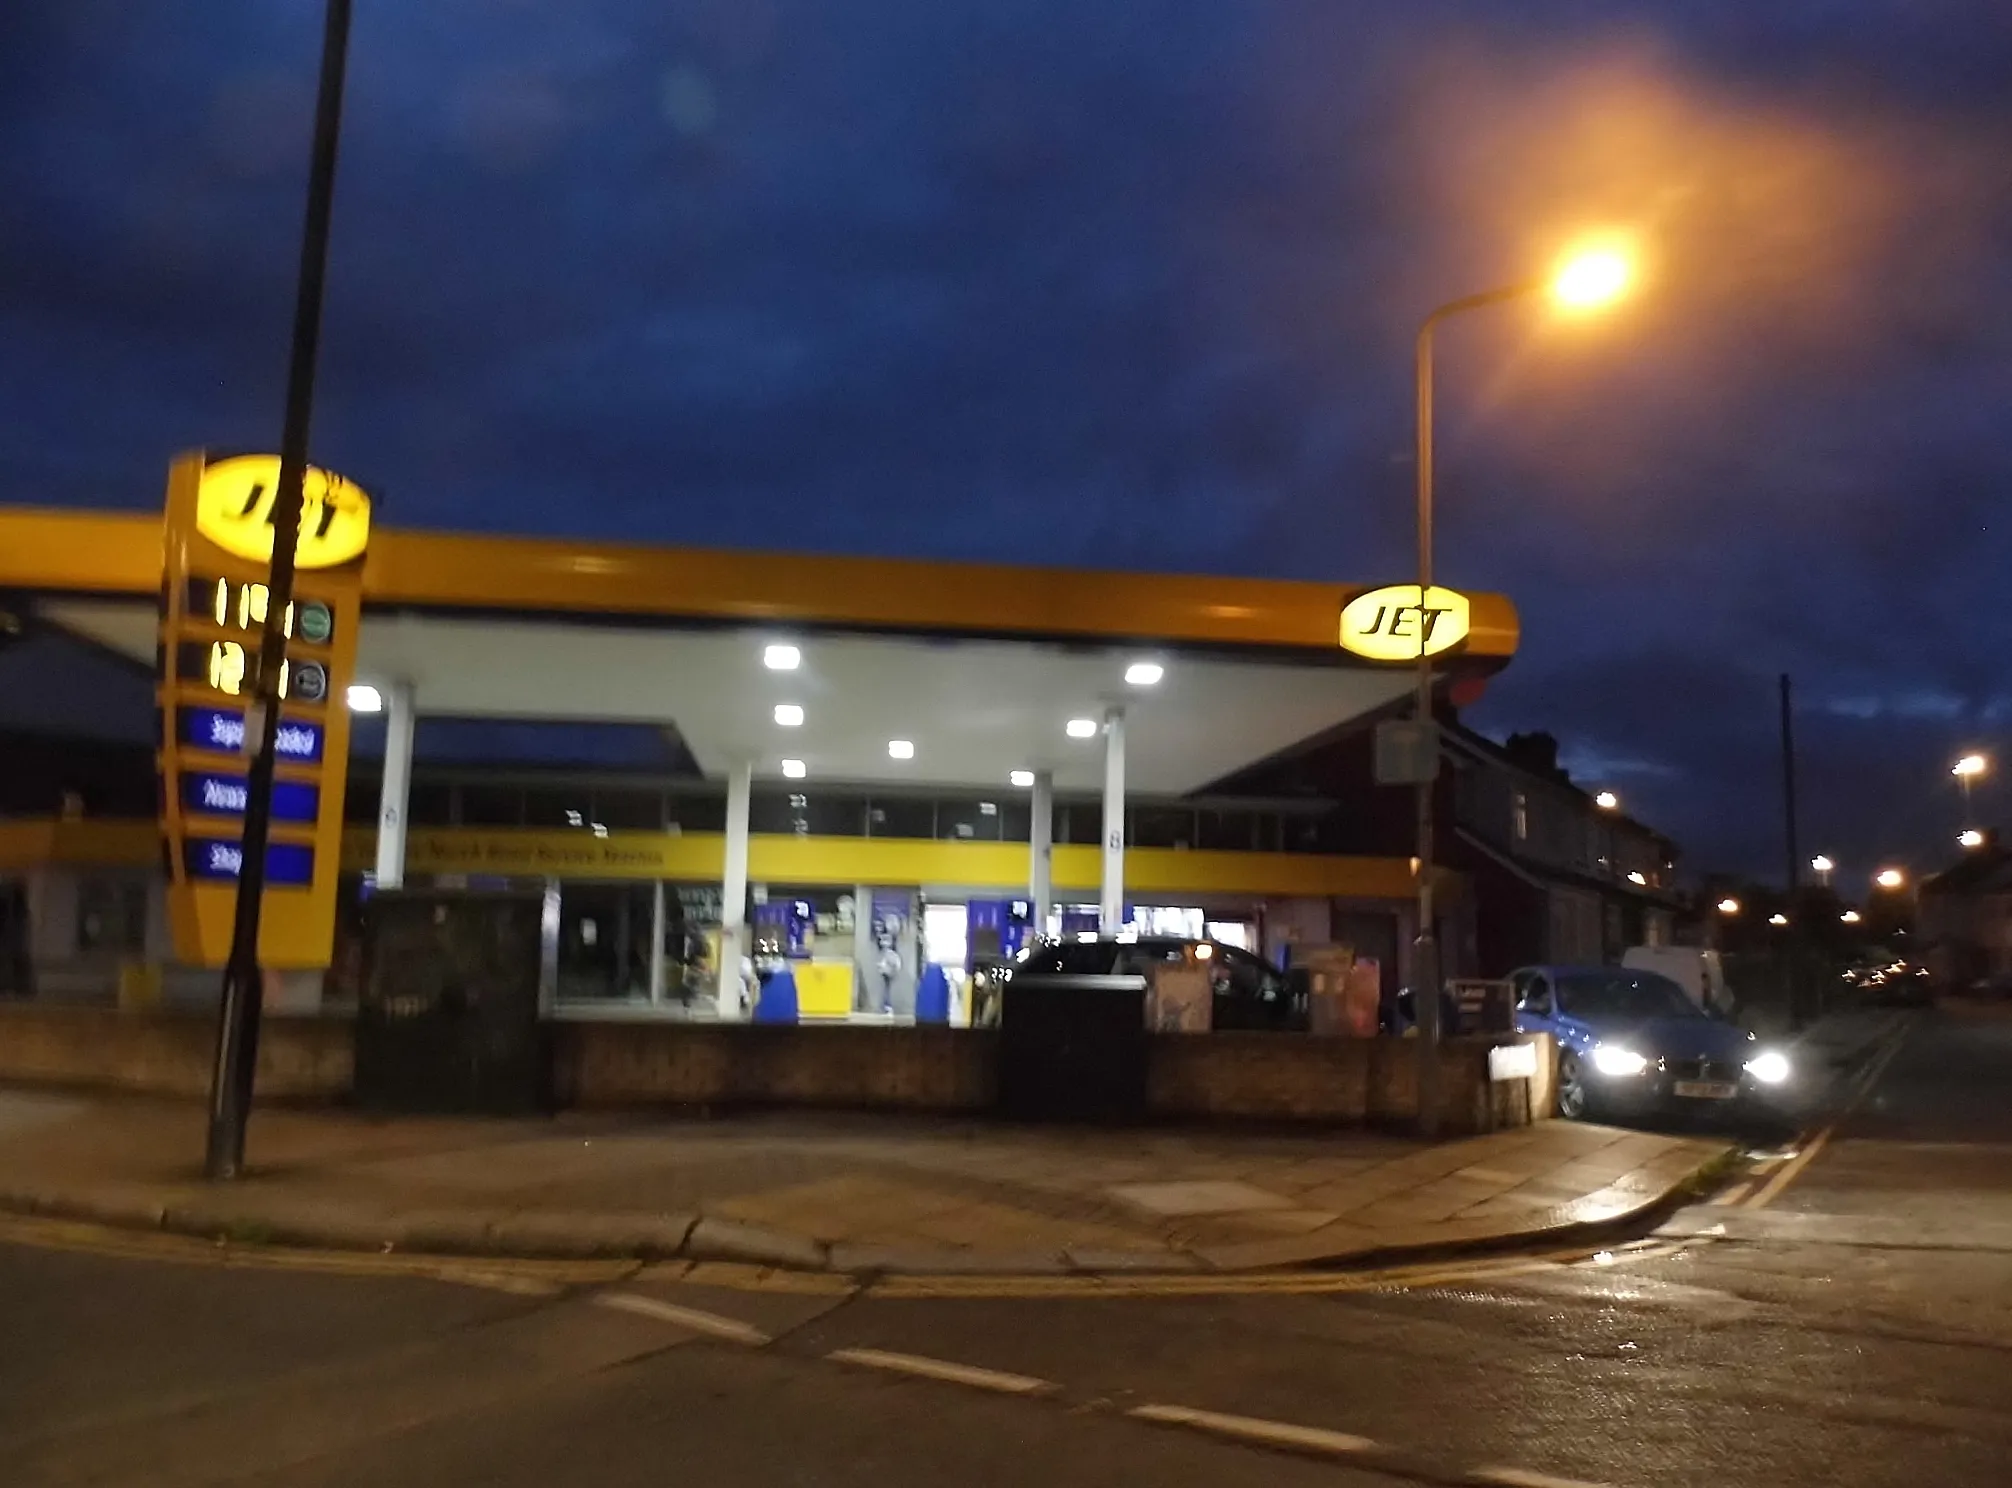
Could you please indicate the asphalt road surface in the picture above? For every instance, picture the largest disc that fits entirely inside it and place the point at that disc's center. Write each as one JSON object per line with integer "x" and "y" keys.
{"x": 1799, "y": 1346}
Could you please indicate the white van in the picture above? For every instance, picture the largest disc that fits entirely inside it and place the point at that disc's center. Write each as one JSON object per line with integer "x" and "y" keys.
{"x": 1694, "y": 969}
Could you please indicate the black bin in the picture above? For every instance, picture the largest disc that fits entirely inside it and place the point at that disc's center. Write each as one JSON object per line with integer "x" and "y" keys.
{"x": 447, "y": 1013}
{"x": 1073, "y": 1048}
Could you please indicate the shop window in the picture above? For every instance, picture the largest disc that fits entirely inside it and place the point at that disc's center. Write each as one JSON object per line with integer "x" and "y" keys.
{"x": 696, "y": 813}
{"x": 1016, "y": 817}
{"x": 1227, "y": 831}
{"x": 968, "y": 818}
{"x": 430, "y": 803}
{"x": 798, "y": 813}
{"x": 629, "y": 808}
{"x": 1313, "y": 834}
{"x": 1162, "y": 826}
{"x": 360, "y": 795}
{"x": 1080, "y": 824}
{"x": 491, "y": 806}
{"x": 894, "y": 816}
{"x": 111, "y": 916}
{"x": 557, "y": 806}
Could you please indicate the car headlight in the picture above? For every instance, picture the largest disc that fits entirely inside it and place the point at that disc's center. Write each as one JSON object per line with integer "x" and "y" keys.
{"x": 1770, "y": 1068}
{"x": 1613, "y": 1061}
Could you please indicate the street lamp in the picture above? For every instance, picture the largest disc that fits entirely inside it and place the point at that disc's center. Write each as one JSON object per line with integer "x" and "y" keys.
{"x": 1777, "y": 918}
{"x": 1849, "y": 917}
{"x": 1822, "y": 867}
{"x": 1729, "y": 906}
{"x": 1592, "y": 276}
{"x": 1890, "y": 879}
{"x": 1970, "y": 838}
{"x": 1966, "y": 770}
{"x": 1607, "y": 801}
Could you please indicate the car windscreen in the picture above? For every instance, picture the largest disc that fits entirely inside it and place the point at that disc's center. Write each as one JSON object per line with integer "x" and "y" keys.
{"x": 1631, "y": 995}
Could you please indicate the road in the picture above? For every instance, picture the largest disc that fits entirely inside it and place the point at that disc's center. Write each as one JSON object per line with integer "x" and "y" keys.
{"x": 1796, "y": 1347}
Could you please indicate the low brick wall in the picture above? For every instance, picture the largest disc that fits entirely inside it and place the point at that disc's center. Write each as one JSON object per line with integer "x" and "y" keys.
{"x": 618, "y": 1064}
{"x": 167, "y": 1053}
{"x": 699, "y": 1064}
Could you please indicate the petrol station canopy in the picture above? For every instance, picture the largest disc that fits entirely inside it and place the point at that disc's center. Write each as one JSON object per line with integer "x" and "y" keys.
{"x": 980, "y": 667}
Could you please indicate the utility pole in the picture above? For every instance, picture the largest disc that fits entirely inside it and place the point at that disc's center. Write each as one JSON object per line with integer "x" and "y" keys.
{"x": 1793, "y": 856}
{"x": 238, "y": 1020}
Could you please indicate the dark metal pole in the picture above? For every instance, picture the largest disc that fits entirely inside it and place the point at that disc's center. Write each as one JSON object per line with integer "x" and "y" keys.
{"x": 238, "y": 1025}
{"x": 1793, "y": 877}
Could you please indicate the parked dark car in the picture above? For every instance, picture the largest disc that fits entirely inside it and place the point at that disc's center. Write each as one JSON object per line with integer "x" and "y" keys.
{"x": 1632, "y": 1043}
{"x": 1248, "y": 993}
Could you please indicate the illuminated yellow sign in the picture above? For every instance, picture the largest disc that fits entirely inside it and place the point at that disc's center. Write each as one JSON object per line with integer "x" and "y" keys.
{"x": 1390, "y": 624}
{"x": 234, "y": 511}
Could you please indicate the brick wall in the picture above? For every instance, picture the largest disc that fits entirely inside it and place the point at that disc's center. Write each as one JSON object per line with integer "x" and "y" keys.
{"x": 167, "y": 1053}
{"x": 920, "y": 1069}
{"x": 614, "y": 1064}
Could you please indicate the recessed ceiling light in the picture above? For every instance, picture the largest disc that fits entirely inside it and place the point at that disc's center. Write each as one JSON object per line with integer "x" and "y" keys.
{"x": 363, "y": 698}
{"x": 900, "y": 749}
{"x": 1022, "y": 778}
{"x": 792, "y": 769}
{"x": 1082, "y": 728}
{"x": 1144, "y": 673}
{"x": 789, "y": 715}
{"x": 780, "y": 658}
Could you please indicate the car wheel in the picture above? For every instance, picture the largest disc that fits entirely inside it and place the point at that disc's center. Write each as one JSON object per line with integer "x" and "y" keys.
{"x": 1572, "y": 1095}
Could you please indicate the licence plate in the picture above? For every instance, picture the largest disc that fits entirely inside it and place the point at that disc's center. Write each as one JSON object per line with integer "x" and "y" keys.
{"x": 1706, "y": 1089}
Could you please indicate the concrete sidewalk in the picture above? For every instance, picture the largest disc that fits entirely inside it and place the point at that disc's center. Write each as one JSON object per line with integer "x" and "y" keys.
{"x": 833, "y": 1192}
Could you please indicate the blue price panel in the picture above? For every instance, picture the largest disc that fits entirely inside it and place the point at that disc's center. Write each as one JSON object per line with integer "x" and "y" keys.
{"x": 287, "y": 864}
{"x": 209, "y": 794}
{"x": 223, "y": 729}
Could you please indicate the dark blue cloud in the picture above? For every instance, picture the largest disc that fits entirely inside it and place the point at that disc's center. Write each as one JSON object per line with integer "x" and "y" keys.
{"x": 1128, "y": 285}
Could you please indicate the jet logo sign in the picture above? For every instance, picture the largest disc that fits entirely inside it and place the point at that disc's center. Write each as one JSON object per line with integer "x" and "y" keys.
{"x": 1390, "y": 624}
{"x": 234, "y": 511}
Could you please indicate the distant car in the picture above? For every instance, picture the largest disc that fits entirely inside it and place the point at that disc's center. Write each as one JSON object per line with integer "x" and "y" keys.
{"x": 1247, "y": 992}
{"x": 1632, "y": 1043}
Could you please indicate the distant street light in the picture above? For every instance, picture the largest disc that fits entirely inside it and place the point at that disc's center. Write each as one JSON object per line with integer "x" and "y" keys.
{"x": 1607, "y": 801}
{"x": 1966, "y": 770}
{"x": 1729, "y": 906}
{"x": 1971, "y": 838}
{"x": 1849, "y": 917}
{"x": 1589, "y": 277}
{"x": 1777, "y": 918}
{"x": 1890, "y": 878}
{"x": 1822, "y": 866}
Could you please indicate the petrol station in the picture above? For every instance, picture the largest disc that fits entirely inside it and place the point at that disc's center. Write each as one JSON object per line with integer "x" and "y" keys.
{"x": 897, "y": 767}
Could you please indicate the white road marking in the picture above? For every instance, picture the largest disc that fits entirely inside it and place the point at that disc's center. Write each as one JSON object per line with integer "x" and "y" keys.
{"x": 945, "y": 1370}
{"x": 1255, "y": 1429}
{"x": 710, "y": 1323}
{"x": 1516, "y": 1477}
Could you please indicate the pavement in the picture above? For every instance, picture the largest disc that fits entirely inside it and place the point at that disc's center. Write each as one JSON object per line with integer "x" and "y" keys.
{"x": 847, "y": 1193}
{"x": 1826, "y": 1358}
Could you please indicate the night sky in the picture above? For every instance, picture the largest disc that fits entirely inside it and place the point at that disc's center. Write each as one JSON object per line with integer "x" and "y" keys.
{"x": 1128, "y": 284}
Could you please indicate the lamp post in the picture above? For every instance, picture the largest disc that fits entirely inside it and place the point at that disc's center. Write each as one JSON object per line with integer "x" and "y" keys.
{"x": 1822, "y": 867}
{"x": 1585, "y": 280}
{"x": 238, "y": 1019}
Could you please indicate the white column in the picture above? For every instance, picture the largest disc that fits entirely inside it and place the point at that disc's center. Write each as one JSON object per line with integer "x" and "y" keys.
{"x": 734, "y": 942}
{"x": 656, "y": 963}
{"x": 1111, "y": 906}
{"x": 1041, "y": 850}
{"x": 394, "y": 797}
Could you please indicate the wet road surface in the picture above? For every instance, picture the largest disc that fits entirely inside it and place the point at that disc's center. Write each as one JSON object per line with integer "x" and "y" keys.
{"x": 1803, "y": 1344}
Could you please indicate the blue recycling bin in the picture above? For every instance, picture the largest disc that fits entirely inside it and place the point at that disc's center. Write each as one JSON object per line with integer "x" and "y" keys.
{"x": 776, "y": 1001}
{"x": 932, "y": 996}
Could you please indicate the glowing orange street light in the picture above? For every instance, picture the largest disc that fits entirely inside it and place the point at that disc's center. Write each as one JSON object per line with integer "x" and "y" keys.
{"x": 1729, "y": 906}
{"x": 1607, "y": 801}
{"x": 1890, "y": 878}
{"x": 1591, "y": 275}
{"x": 1971, "y": 838}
